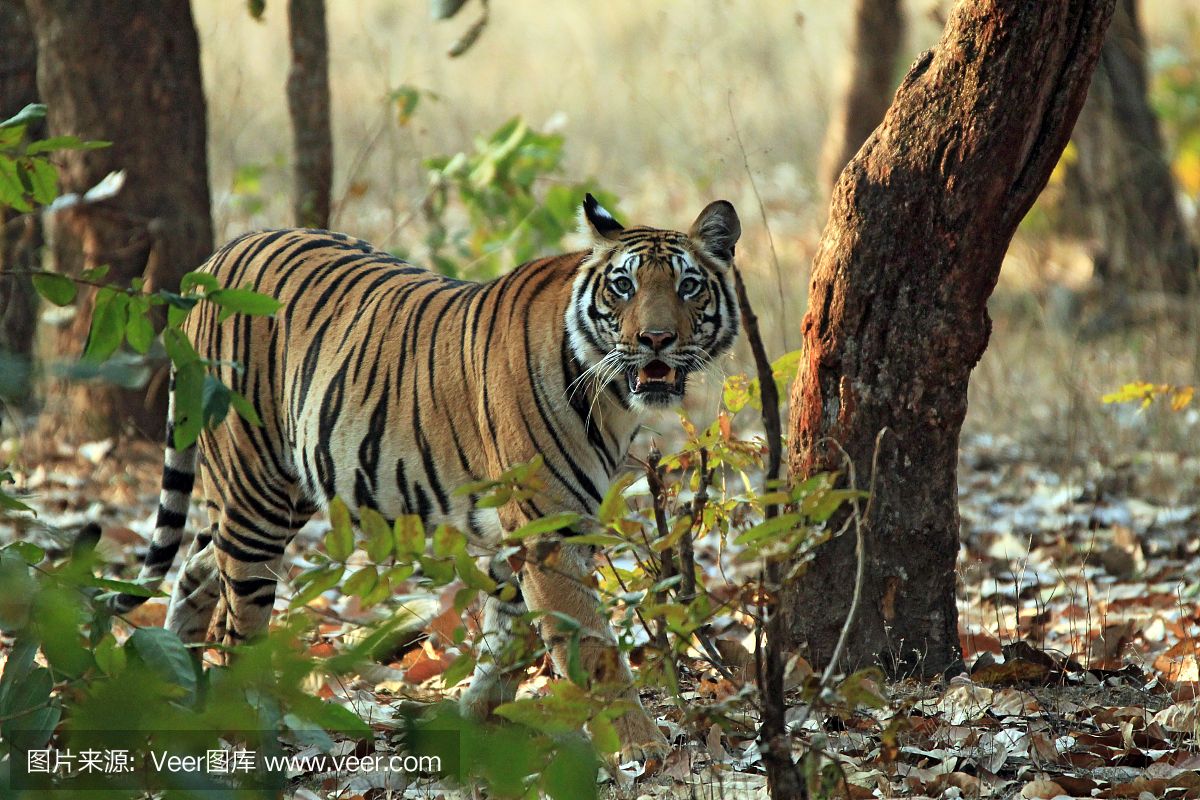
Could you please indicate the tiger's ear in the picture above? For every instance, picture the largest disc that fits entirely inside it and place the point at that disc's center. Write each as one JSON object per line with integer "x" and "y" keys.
{"x": 598, "y": 223}
{"x": 716, "y": 230}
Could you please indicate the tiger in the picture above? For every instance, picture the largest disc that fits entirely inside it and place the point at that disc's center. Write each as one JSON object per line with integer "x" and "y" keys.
{"x": 390, "y": 385}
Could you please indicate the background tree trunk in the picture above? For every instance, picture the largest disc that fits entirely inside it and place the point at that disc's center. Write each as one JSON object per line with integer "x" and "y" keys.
{"x": 1124, "y": 179}
{"x": 875, "y": 42}
{"x": 308, "y": 104}
{"x": 918, "y": 227}
{"x": 20, "y": 235}
{"x": 159, "y": 227}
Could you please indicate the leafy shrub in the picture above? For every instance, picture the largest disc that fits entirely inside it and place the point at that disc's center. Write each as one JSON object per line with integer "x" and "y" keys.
{"x": 510, "y": 220}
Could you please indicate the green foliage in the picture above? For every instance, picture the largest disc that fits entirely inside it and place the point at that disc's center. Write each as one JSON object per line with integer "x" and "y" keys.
{"x": 97, "y": 691}
{"x": 27, "y": 176}
{"x": 510, "y": 218}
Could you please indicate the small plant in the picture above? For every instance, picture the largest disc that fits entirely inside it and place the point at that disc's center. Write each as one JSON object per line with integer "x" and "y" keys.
{"x": 510, "y": 219}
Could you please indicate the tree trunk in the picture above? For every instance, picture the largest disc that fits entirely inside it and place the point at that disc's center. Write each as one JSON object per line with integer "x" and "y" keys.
{"x": 308, "y": 104}
{"x": 1127, "y": 188}
{"x": 918, "y": 227}
{"x": 20, "y": 235}
{"x": 875, "y": 42}
{"x": 129, "y": 73}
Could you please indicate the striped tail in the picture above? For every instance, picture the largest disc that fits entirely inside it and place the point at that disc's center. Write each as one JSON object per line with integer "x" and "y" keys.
{"x": 179, "y": 475}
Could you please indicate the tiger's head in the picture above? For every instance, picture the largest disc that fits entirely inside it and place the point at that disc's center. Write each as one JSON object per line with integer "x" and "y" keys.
{"x": 649, "y": 307}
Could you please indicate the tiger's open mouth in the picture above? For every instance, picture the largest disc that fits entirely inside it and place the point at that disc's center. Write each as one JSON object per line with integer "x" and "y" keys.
{"x": 656, "y": 381}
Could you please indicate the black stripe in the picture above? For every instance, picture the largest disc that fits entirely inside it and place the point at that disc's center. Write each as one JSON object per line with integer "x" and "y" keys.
{"x": 174, "y": 480}
{"x": 170, "y": 519}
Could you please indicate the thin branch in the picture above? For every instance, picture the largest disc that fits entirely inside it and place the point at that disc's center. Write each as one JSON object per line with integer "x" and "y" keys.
{"x": 861, "y": 551}
{"x": 762, "y": 212}
{"x": 667, "y": 556}
{"x": 687, "y": 555}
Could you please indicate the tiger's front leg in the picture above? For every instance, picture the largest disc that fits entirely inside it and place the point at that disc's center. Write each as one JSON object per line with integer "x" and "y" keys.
{"x": 559, "y": 576}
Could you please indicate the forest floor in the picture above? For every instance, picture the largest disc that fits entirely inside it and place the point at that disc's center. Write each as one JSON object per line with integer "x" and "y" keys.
{"x": 1078, "y": 618}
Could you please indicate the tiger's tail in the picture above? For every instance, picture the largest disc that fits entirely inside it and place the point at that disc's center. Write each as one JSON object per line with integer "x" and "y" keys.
{"x": 179, "y": 476}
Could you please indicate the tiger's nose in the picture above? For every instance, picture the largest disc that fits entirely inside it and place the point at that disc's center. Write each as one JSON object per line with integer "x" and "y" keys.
{"x": 656, "y": 340}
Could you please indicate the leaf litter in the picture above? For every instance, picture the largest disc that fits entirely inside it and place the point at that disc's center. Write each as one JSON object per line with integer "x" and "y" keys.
{"x": 1078, "y": 619}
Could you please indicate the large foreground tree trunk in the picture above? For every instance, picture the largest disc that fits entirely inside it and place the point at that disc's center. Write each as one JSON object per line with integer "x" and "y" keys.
{"x": 308, "y": 104}
{"x": 1123, "y": 176}
{"x": 919, "y": 225}
{"x": 875, "y": 41}
{"x": 20, "y": 235}
{"x": 129, "y": 73}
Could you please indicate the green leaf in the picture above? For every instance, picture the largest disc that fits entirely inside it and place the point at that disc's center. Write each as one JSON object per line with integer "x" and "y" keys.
{"x": 547, "y": 524}
{"x": 28, "y": 114}
{"x": 243, "y": 301}
{"x": 245, "y": 409}
{"x": 321, "y": 580}
{"x": 29, "y": 552}
{"x": 43, "y": 180}
{"x": 571, "y": 773}
{"x": 339, "y": 542}
{"x": 206, "y": 280}
{"x": 108, "y": 325}
{"x": 460, "y": 668}
{"x": 189, "y": 404}
{"x": 110, "y": 657}
{"x": 604, "y": 735}
{"x": 377, "y": 532}
{"x": 10, "y": 503}
{"x": 406, "y": 99}
{"x": 63, "y": 143}
{"x": 613, "y": 507}
{"x": 447, "y": 540}
{"x": 58, "y": 289}
{"x": 769, "y": 529}
{"x": 334, "y": 717}
{"x": 29, "y": 715}
{"x": 408, "y": 535}
{"x": 575, "y": 670}
{"x": 216, "y": 401}
{"x": 472, "y": 575}
{"x": 361, "y": 582}
{"x": 162, "y": 651}
{"x": 179, "y": 348}
{"x": 95, "y": 273}
{"x": 139, "y": 331}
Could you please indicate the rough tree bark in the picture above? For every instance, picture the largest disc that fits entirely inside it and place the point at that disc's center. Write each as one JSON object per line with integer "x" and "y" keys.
{"x": 128, "y": 73}
{"x": 919, "y": 224}
{"x": 308, "y": 104}
{"x": 875, "y": 41}
{"x": 20, "y": 235}
{"x": 1123, "y": 176}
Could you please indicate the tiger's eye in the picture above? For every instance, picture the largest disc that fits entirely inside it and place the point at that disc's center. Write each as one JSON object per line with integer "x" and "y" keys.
{"x": 688, "y": 287}
{"x": 622, "y": 285}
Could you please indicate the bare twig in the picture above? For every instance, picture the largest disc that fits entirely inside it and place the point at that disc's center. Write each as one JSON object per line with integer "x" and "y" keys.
{"x": 667, "y": 556}
{"x": 860, "y": 520}
{"x": 687, "y": 556}
{"x": 783, "y": 778}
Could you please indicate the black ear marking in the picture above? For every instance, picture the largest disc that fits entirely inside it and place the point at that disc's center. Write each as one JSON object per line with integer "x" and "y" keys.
{"x": 601, "y": 222}
{"x": 717, "y": 230}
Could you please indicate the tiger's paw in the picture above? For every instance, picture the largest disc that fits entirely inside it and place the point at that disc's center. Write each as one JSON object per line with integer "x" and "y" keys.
{"x": 641, "y": 740}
